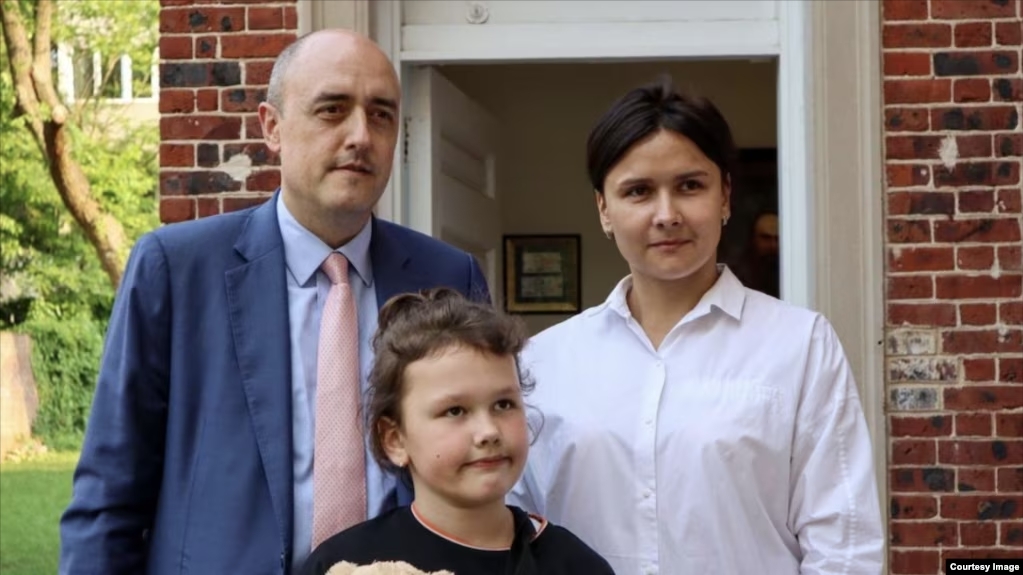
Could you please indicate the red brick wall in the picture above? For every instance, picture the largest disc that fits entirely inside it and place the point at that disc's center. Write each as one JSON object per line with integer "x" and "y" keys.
{"x": 953, "y": 147}
{"x": 216, "y": 58}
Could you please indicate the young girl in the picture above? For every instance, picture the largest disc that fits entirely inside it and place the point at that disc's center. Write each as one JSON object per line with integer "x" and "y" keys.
{"x": 446, "y": 410}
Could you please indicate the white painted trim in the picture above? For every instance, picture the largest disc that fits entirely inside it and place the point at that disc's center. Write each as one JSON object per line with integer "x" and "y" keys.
{"x": 622, "y": 40}
{"x": 795, "y": 166}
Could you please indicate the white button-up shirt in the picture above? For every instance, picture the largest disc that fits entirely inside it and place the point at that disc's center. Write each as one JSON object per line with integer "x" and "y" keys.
{"x": 739, "y": 446}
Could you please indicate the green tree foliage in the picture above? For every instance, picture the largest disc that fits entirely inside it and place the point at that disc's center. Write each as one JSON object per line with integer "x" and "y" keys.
{"x": 52, "y": 285}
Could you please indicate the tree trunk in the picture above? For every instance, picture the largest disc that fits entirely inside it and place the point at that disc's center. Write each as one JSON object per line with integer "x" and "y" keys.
{"x": 32, "y": 72}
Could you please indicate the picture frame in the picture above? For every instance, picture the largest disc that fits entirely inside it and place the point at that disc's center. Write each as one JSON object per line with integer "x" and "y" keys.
{"x": 542, "y": 273}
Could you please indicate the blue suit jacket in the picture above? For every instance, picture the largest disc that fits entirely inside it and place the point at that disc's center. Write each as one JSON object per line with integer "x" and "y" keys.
{"x": 187, "y": 461}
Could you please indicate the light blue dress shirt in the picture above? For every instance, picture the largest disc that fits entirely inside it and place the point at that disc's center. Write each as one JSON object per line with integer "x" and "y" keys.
{"x": 307, "y": 290}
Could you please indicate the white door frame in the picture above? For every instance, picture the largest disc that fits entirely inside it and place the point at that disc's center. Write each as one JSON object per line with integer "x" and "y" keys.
{"x": 829, "y": 153}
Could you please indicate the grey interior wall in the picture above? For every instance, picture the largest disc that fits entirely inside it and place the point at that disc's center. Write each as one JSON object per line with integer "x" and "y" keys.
{"x": 546, "y": 112}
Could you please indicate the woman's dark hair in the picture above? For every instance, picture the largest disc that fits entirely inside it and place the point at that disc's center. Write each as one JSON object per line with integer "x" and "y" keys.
{"x": 417, "y": 325}
{"x": 644, "y": 111}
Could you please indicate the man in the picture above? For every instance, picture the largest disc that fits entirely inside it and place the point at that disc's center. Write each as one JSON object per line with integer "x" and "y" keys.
{"x": 759, "y": 266}
{"x": 216, "y": 388}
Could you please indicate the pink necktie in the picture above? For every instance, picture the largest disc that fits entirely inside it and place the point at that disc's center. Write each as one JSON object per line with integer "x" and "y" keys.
{"x": 339, "y": 464}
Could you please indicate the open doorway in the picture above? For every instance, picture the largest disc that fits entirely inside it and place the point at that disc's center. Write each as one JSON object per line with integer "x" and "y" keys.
{"x": 544, "y": 113}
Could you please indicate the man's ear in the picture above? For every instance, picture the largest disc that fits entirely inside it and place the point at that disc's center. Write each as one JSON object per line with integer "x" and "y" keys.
{"x": 392, "y": 441}
{"x": 270, "y": 122}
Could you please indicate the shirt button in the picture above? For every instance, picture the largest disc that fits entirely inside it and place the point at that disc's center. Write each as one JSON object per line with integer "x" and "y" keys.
{"x": 647, "y": 494}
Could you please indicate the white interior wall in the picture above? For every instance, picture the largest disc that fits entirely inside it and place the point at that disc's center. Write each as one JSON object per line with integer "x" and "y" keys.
{"x": 546, "y": 112}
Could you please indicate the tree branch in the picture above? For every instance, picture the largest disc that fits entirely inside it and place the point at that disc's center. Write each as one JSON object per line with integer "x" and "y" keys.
{"x": 42, "y": 64}
{"x": 19, "y": 58}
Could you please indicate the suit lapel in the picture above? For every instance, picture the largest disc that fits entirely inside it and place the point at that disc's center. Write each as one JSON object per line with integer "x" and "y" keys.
{"x": 391, "y": 270}
{"x": 257, "y": 295}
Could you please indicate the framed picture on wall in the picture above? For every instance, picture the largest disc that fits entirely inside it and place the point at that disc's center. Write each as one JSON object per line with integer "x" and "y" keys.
{"x": 542, "y": 273}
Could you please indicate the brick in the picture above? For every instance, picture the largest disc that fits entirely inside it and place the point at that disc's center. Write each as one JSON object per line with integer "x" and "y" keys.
{"x": 927, "y": 534}
{"x": 263, "y": 181}
{"x": 978, "y": 553}
{"x": 922, "y": 369}
{"x": 975, "y": 258}
{"x": 1009, "y": 201}
{"x": 913, "y": 399}
{"x": 983, "y": 398}
{"x": 925, "y": 314}
{"x": 206, "y": 47}
{"x": 921, "y": 203}
{"x": 177, "y": 155}
{"x": 914, "y": 506}
{"x": 1010, "y": 313}
{"x": 975, "y": 146}
{"x": 265, "y": 18}
{"x": 1009, "y": 424}
{"x": 904, "y": 10}
{"x": 972, "y": 424}
{"x": 200, "y": 182}
{"x": 1010, "y": 258}
{"x": 201, "y": 19}
{"x": 207, "y": 100}
{"x": 974, "y": 287}
{"x": 979, "y": 369}
{"x": 971, "y": 90}
{"x": 1010, "y": 370}
{"x": 912, "y": 147}
{"x": 974, "y": 341}
{"x": 978, "y": 314}
{"x": 976, "y": 173}
{"x": 914, "y": 561}
{"x": 199, "y": 74}
{"x": 907, "y": 119}
{"x": 258, "y": 73}
{"x": 200, "y": 128}
{"x": 177, "y": 101}
{"x": 253, "y": 129}
{"x": 909, "y": 231}
{"x": 233, "y": 204}
{"x": 1008, "y": 145}
{"x": 972, "y": 479}
{"x": 257, "y": 152}
{"x": 913, "y": 452}
{"x": 290, "y": 18}
{"x": 1010, "y": 533}
{"x": 917, "y": 91}
{"x": 978, "y": 534}
{"x": 907, "y": 64}
{"x": 973, "y": 34}
{"x": 176, "y": 210}
{"x": 208, "y": 206}
{"x": 907, "y": 175}
{"x": 986, "y": 63}
{"x": 910, "y": 287}
{"x": 980, "y": 507}
{"x": 180, "y": 48}
{"x": 922, "y": 480}
{"x": 241, "y": 99}
{"x": 916, "y": 36}
{"x": 208, "y": 155}
{"x": 1008, "y": 33}
{"x": 980, "y": 452}
{"x": 1010, "y": 480}
{"x": 976, "y": 202}
{"x": 912, "y": 426}
{"x": 918, "y": 259}
{"x": 911, "y": 342}
{"x": 988, "y": 118}
{"x": 254, "y": 45}
{"x": 1007, "y": 89}
{"x": 986, "y": 230}
{"x": 971, "y": 9}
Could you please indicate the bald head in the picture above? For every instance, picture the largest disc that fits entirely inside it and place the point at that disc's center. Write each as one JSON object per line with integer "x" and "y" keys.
{"x": 309, "y": 49}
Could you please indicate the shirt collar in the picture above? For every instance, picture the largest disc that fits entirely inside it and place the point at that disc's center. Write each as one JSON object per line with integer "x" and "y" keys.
{"x": 304, "y": 252}
{"x": 727, "y": 294}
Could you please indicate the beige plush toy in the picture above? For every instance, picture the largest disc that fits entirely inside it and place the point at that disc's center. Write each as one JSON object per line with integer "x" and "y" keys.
{"x": 381, "y": 568}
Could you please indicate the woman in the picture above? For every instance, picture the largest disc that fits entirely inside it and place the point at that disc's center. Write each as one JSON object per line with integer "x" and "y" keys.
{"x": 693, "y": 425}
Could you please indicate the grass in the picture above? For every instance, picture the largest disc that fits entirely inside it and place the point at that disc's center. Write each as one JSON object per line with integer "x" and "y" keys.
{"x": 33, "y": 494}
